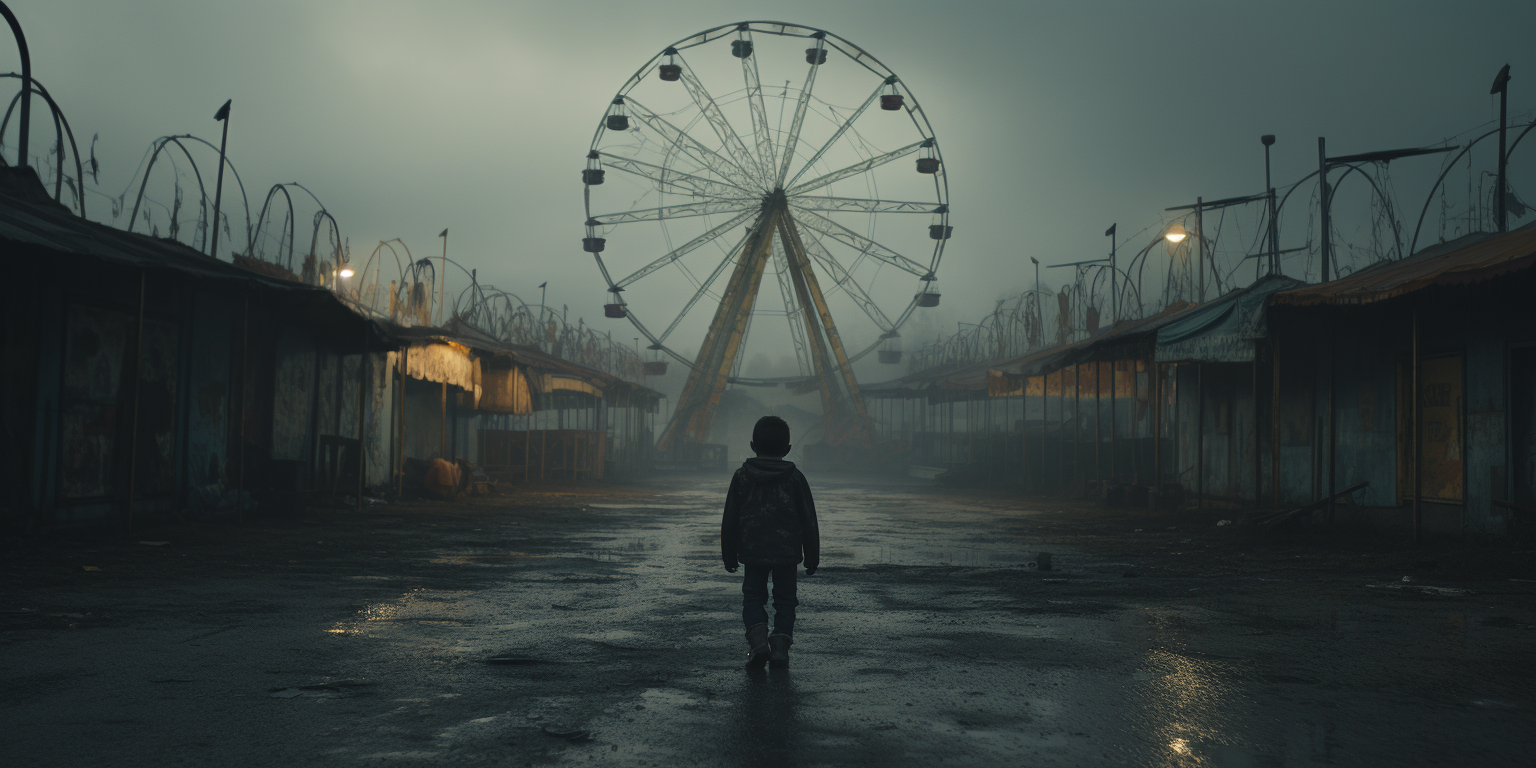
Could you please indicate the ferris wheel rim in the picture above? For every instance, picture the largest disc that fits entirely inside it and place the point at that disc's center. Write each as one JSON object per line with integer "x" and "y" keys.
{"x": 860, "y": 56}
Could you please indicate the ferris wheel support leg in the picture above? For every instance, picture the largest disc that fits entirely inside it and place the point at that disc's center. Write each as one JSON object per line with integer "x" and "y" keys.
{"x": 711, "y": 369}
{"x": 813, "y": 332}
{"x": 826, "y": 320}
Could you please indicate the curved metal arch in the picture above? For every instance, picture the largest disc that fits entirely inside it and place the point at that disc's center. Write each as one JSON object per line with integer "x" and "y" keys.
{"x": 250, "y": 235}
{"x": 1452, "y": 164}
{"x": 201, "y": 191}
{"x": 26, "y": 77}
{"x": 58, "y": 119}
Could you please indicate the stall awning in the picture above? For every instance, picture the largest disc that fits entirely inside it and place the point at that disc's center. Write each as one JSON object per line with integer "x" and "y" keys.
{"x": 1224, "y": 330}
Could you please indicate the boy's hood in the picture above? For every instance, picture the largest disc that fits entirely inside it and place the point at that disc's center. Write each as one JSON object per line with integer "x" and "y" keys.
{"x": 763, "y": 470}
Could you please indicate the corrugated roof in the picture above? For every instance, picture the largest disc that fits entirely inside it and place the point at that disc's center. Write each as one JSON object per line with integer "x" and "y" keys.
{"x": 1467, "y": 259}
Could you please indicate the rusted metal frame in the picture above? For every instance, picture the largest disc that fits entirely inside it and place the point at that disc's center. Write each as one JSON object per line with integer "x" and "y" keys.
{"x": 740, "y": 315}
{"x": 787, "y": 223}
{"x": 133, "y": 429}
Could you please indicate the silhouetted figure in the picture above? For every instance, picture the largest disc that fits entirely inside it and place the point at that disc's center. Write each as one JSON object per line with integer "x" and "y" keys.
{"x": 770, "y": 526}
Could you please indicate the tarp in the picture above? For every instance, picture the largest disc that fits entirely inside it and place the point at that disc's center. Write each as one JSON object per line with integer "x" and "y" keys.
{"x": 444, "y": 362}
{"x": 1224, "y": 330}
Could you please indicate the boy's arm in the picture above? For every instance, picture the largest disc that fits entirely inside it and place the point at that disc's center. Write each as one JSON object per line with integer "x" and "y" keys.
{"x": 811, "y": 538}
{"x": 730, "y": 524}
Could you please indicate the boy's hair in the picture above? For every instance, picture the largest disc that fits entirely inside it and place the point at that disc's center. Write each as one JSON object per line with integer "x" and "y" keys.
{"x": 771, "y": 436}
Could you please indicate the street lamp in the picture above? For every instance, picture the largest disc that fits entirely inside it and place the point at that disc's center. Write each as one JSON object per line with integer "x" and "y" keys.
{"x": 1176, "y": 235}
{"x": 218, "y": 188}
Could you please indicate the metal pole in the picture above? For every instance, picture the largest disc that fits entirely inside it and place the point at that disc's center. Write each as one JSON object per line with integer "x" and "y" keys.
{"x": 1114, "y": 291}
{"x": 1501, "y": 86}
{"x": 1274, "y": 227}
{"x": 1045, "y": 399}
{"x": 364, "y": 369}
{"x": 1200, "y": 435}
{"x": 1077, "y": 422}
{"x": 1333, "y": 420}
{"x": 133, "y": 429}
{"x": 1098, "y": 416}
{"x": 1274, "y": 415}
{"x": 1324, "y": 246}
{"x": 442, "y": 285}
{"x": 25, "y": 129}
{"x": 218, "y": 187}
{"x": 443, "y": 450}
{"x": 1157, "y": 426}
{"x": 1114, "y": 419}
{"x": 1258, "y": 440}
{"x": 1135, "y": 419}
{"x": 1200, "y": 242}
{"x": 245, "y": 382}
{"x": 1418, "y": 483}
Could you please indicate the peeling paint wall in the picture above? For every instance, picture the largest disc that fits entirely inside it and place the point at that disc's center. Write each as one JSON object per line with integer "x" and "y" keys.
{"x": 213, "y": 328}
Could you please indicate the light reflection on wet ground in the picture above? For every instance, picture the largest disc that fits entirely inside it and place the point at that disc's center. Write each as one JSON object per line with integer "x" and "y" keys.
{"x": 609, "y": 633}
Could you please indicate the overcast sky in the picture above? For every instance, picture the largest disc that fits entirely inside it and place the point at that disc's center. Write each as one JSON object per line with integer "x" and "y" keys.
{"x": 1057, "y": 118}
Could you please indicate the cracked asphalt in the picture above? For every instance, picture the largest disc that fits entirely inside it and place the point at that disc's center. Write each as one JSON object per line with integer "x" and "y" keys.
{"x": 595, "y": 625}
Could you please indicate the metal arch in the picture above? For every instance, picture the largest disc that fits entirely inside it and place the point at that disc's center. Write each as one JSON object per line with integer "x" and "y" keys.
{"x": 58, "y": 118}
{"x": 250, "y": 242}
{"x": 202, "y": 193}
{"x": 244, "y": 199}
{"x": 1452, "y": 164}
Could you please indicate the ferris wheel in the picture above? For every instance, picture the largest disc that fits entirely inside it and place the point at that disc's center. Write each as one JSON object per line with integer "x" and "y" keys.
{"x": 766, "y": 150}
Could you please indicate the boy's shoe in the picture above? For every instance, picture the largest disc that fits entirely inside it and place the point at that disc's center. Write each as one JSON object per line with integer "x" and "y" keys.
{"x": 757, "y": 645}
{"x": 779, "y": 650}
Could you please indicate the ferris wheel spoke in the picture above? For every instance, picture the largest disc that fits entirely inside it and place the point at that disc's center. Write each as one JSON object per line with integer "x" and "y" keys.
{"x": 765, "y": 153}
{"x": 841, "y": 129}
{"x": 683, "y": 250}
{"x": 800, "y": 107}
{"x": 684, "y": 210}
{"x": 819, "y": 203}
{"x": 855, "y": 169}
{"x": 717, "y": 163}
{"x": 729, "y": 259}
{"x": 792, "y": 308}
{"x": 723, "y": 130}
{"x": 858, "y": 242}
{"x": 675, "y": 181}
{"x": 845, "y": 281}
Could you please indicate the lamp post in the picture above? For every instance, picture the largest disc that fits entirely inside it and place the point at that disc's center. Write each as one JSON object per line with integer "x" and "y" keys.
{"x": 1501, "y": 87}
{"x": 1268, "y": 140}
{"x": 1114, "y": 292}
{"x": 218, "y": 188}
{"x": 442, "y": 282}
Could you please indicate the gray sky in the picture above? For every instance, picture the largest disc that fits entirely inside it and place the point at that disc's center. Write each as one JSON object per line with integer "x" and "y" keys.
{"x": 1057, "y": 119}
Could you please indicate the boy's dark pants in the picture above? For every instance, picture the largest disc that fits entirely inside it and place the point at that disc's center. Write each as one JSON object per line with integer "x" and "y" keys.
{"x": 754, "y": 596}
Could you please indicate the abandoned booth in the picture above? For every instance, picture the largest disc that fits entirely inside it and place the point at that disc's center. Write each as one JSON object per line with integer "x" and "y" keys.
{"x": 155, "y": 380}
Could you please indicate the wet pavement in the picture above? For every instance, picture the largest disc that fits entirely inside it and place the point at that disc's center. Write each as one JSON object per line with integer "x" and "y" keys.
{"x": 596, "y": 625}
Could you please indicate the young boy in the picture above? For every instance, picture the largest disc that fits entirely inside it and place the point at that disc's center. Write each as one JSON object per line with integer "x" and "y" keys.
{"x": 770, "y": 520}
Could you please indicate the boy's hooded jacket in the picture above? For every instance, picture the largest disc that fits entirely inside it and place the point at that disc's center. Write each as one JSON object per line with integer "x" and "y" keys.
{"x": 770, "y": 518}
